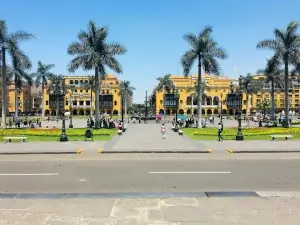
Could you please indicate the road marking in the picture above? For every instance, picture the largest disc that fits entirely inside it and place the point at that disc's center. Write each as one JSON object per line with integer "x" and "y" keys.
{"x": 28, "y": 174}
{"x": 99, "y": 150}
{"x": 228, "y": 150}
{"x": 79, "y": 151}
{"x": 193, "y": 172}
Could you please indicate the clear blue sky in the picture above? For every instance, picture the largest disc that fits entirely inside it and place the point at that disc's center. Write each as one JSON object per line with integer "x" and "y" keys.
{"x": 151, "y": 30}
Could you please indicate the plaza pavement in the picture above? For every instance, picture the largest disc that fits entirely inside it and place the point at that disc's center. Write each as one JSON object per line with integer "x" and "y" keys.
{"x": 146, "y": 138}
{"x": 155, "y": 211}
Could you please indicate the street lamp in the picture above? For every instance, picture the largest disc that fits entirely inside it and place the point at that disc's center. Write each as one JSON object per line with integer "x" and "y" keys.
{"x": 239, "y": 96}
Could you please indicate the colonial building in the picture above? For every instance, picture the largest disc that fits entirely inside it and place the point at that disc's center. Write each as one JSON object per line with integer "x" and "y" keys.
{"x": 80, "y": 99}
{"x": 214, "y": 96}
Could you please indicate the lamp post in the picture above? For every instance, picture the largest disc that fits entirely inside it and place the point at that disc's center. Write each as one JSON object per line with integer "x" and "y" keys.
{"x": 63, "y": 136}
{"x": 239, "y": 96}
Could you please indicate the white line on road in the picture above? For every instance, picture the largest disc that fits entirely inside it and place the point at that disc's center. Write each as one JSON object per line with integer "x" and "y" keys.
{"x": 191, "y": 172}
{"x": 28, "y": 174}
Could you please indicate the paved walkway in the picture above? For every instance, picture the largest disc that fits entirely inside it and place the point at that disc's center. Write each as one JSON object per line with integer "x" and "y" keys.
{"x": 148, "y": 137}
{"x": 169, "y": 211}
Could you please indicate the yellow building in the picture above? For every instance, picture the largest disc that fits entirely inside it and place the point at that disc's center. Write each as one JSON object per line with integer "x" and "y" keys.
{"x": 81, "y": 100}
{"x": 214, "y": 97}
{"x": 23, "y": 99}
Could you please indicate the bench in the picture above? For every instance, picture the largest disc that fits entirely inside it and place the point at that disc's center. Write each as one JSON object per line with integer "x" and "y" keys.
{"x": 9, "y": 139}
{"x": 180, "y": 132}
{"x": 120, "y": 132}
{"x": 286, "y": 136}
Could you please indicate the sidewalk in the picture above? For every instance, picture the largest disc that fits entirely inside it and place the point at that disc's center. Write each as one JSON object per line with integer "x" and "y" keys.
{"x": 252, "y": 146}
{"x": 150, "y": 211}
{"x": 70, "y": 147}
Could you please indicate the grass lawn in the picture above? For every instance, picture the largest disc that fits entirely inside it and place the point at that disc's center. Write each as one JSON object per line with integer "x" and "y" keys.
{"x": 230, "y": 133}
{"x": 74, "y": 134}
{"x": 70, "y": 138}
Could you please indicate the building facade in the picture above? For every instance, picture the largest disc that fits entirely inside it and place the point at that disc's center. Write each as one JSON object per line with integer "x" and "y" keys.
{"x": 81, "y": 98}
{"x": 214, "y": 97}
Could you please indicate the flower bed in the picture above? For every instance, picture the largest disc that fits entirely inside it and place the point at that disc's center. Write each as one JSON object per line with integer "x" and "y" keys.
{"x": 246, "y": 132}
{"x": 54, "y": 132}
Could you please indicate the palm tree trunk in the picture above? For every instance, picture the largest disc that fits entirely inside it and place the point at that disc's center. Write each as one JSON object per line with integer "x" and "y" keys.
{"x": 165, "y": 107}
{"x": 247, "y": 103}
{"x": 199, "y": 100}
{"x": 97, "y": 90}
{"x": 272, "y": 101}
{"x": 125, "y": 105}
{"x": 3, "y": 88}
{"x": 57, "y": 107}
{"x": 91, "y": 114}
{"x": 286, "y": 92}
{"x": 16, "y": 103}
{"x": 42, "y": 100}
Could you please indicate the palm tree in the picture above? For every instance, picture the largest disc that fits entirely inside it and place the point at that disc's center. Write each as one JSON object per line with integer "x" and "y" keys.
{"x": 273, "y": 75}
{"x": 126, "y": 92}
{"x": 20, "y": 63}
{"x": 58, "y": 88}
{"x": 42, "y": 75}
{"x": 286, "y": 47}
{"x": 91, "y": 85}
{"x": 7, "y": 41}
{"x": 165, "y": 84}
{"x": 93, "y": 52}
{"x": 204, "y": 50}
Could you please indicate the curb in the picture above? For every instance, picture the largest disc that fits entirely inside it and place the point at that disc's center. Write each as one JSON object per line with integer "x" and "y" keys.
{"x": 263, "y": 151}
{"x": 40, "y": 153}
{"x": 152, "y": 151}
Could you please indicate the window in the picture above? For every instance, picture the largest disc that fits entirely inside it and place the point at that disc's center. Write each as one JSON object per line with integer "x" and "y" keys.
{"x": 180, "y": 102}
{"x": 75, "y": 90}
{"x": 107, "y": 92}
{"x": 67, "y": 103}
{"x": 74, "y": 103}
{"x": 103, "y": 92}
{"x": 88, "y": 102}
{"x": 81, "y": 81}
{"x": 81, "y": 91}
{"x": 115, "y": 91}
{"x": 19, "y": 98}
{"x": 76, "y": 81}
{"x": 161, "y": 102}
{"x": 71, "y": 81}
{"x": 86, "y": 90}
{"x": 47, "y": 102}
{"x": 80, "y": 102}
{"x": 86, "y": 81}
{"x": 116, "y": 103}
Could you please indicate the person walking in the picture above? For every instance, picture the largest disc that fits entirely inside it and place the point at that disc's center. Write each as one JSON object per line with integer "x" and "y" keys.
{"x": 220, "y": 130}
{"x": 163, "y": 131}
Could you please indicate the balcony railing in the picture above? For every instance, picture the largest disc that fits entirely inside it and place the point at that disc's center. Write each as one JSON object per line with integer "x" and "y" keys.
{"x": 203, "y": 106}
{"x": 81, "y": 106}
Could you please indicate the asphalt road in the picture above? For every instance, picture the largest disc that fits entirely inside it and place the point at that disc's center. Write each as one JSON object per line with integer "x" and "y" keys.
{"x": 149, "y": 175}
